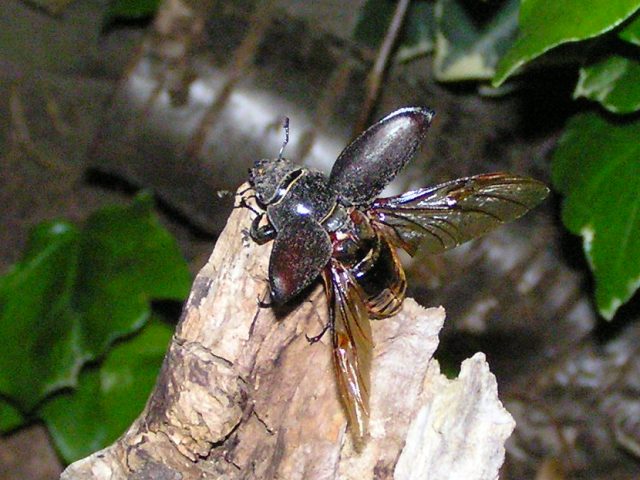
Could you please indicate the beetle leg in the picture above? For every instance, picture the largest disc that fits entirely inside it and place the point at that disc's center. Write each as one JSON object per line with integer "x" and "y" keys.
{"x": 262, "y": 304}
{"x": 242, "y": 192}
{"x": 316, "y": 338}
{"x": 261, "y": 234}
{"x": 245, "y": 237}
{"x": 243, "y": 204}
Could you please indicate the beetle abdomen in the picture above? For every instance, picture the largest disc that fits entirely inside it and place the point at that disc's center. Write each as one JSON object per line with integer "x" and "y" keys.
{"x": 381, "y": 276}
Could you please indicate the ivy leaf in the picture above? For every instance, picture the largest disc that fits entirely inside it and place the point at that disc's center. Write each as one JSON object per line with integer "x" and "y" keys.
{"x": 545, "y": 24}
{"x": 597, "y": 168}
{"x": 631, "y": 32}
{"x": 614, "y": 82}
{"x": 38, "y": 328}
{"x": 132, "y": 9}
{"x": 107, "y": 398}
{"x": 417, "y": 33}
{"x": 465, "y": 51}
{"x": 10, "y": 417}
{"x": 76, "y": 291}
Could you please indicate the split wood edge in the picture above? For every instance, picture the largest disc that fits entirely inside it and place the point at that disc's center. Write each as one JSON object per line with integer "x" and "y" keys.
{"x": 242, "y": 393}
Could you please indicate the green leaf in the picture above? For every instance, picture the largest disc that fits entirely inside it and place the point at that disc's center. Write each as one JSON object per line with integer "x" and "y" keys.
{"x": 132, "y": 9}
{"x": 108, "y": 398}
{"x": 465, "y": 51}
{"x": 631, "y": 31}
{"x": 417, "y": 33}
{"x": 75, "y": 292}
{"x": 597, "y": 168}
{"x": 10, "y": 417}
{"x": 126, "y": 259}
{"x": 38, "y": 328}
{"x": 545, "y": 24}
{"x": 614, "y": 82}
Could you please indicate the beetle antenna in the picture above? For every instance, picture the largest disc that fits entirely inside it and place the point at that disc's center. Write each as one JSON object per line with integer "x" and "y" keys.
{"x": 285, "y": 125}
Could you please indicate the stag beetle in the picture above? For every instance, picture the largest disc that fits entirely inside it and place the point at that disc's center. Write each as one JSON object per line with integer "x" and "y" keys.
{"x": 337, "y": 228}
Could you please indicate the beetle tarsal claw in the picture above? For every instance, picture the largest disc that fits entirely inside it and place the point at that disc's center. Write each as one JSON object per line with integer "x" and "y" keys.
{"x": 262, "y": 303}
{"x": 316, "y": 338}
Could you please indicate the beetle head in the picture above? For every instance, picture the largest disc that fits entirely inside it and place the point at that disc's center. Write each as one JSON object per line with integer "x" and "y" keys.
{"x": 267, "y": 175}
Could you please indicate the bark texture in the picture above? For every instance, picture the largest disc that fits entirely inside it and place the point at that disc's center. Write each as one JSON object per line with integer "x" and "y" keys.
{"x": 242, "y": 394}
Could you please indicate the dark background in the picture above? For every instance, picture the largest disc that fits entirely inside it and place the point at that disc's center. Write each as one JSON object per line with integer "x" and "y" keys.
{"x": 89, "y": 114}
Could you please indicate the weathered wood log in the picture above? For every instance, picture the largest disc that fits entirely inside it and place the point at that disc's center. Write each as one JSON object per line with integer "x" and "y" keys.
{"x": 243, "y": 394}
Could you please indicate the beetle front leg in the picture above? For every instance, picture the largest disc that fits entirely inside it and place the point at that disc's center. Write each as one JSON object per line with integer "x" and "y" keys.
{"x": 261, "y": 234}
{"x": 316, "y": 338}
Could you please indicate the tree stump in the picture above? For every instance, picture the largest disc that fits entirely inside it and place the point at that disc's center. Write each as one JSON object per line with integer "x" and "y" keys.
{"x": 242, "y": 394}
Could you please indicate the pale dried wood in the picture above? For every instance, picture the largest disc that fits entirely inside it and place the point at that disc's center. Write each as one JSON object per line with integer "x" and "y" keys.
{"x": 242, "y": 394}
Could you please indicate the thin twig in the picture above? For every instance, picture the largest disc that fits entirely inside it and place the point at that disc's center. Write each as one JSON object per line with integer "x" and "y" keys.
{"x": 21, "y": 135}
{"x": 374, "y": 79}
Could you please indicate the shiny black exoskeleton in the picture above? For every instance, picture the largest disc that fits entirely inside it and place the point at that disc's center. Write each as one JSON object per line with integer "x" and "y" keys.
{"x": 336, "y": 227}
{"x": 310, "y": 215}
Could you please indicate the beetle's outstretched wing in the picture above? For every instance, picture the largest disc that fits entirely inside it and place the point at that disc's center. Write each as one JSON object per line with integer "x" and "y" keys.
{"x": 373, "y": 159}
{"x": 352, "y": 345}
{"x": 442, "y": 217}
{"x": 300, "y": 252}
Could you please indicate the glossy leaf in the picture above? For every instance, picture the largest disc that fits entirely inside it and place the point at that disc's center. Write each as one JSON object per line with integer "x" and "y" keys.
{"x": 76, "y": 291}
{"x": 40, "y": 331}
{"x": 126, "y": 259}
{"x": 597, "y": 168}
{"x": 631, "y": 31}
{"x": 107, "y": 398}
{"x": 614, "y": 82}
{"x": 465, "y": 51}
{"x": 10, "y": 417}
{"x": 545, "y": 24}
{"x": 416, "y": 37}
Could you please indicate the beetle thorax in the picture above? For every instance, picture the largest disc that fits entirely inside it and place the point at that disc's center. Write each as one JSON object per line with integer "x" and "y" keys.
{"x": 303, "y": 193}
{"x": 287, "y": 191}
{"x": 269, "y": 177}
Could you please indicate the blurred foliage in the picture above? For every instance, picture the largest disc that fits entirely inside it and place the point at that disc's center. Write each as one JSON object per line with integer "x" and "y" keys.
{"x": 466, "y": 50}
{"x": 613, "y": 82}
{"x": 417, "y": 37}
{"x": 597, "y": 168}
{"x": 545, "y": 24}
{"x": 74, "y": 293}
{"x": 131, "y": 9}
{"x": 631, "y": 32}
{"x": 109, "y": 396}
{"x": 494, "y": 41}
{"x": 596, "y": 165}
{"x": 116, "y": 10}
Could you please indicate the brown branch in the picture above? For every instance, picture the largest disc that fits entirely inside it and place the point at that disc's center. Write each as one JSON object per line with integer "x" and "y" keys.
{"x": 376, "y": 74}
{"x": 242, "y": 393}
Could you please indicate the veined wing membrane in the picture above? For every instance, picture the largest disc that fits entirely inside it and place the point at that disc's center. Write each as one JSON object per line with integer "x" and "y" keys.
{"x": 352, "y": 345}
{"x": 442, "y": 217}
